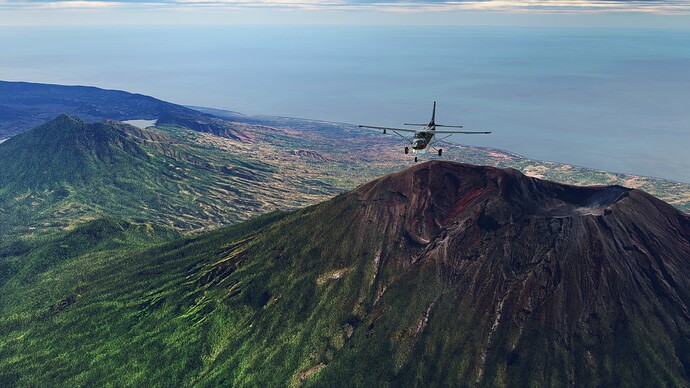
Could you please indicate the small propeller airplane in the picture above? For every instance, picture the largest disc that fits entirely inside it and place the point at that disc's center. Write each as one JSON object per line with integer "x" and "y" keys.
{"x": 425, "y": 137}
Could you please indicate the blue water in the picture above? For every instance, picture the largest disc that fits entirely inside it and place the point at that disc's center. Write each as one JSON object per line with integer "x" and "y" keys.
{"x": 615, "y": 100}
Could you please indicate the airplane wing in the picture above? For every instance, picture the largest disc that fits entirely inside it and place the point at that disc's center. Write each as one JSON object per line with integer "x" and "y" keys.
{"x": 388, "y": 128}
{"x": 466, "y": 132}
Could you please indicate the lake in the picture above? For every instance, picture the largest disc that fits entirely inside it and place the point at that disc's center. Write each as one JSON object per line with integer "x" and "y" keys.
{"x": 604, "y": 98}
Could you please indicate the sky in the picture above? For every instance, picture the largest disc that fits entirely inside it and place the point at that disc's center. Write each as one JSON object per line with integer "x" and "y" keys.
{"x": 621, "y": 75}
{"x": 573, "y": 13}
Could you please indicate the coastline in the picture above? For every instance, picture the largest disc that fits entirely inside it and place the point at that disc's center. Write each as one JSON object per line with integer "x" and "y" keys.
{"x": 232, "y": 115}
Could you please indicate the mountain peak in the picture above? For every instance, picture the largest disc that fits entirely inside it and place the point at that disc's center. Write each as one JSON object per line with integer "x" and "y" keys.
{"x": 66, "y": 149}
{"x": 425, "y": 198}
{"x": 66, "y": 118}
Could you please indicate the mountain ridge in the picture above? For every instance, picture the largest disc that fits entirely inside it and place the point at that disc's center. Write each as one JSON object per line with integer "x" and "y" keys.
{"x": 25, "y": 105}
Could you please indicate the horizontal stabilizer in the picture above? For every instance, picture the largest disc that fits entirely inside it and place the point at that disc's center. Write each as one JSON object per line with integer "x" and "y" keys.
{"x": 414, "y": 124}
{"x": 449, "y": 126}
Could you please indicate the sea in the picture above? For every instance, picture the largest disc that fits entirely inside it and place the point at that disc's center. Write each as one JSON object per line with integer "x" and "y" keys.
{"x": 609, "y": 99}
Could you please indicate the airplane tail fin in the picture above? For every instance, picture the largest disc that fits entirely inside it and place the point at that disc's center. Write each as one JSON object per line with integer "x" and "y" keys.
{"x": 433, "y": 115}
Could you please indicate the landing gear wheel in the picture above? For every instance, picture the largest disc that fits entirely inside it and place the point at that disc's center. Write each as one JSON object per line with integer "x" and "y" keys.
{"x": 440, "y": 152}
{"x": 415, "y": 159}
{"x": 407, "y": 150}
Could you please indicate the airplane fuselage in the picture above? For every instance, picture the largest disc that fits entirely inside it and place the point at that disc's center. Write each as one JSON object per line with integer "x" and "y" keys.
{"x": 423, "y": 138}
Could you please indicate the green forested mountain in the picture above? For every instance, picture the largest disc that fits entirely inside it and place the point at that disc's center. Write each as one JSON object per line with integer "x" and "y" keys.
{"x": 68, "y": 171}
{"x": 440, "y": 275}
{"x": 68, "y": 151}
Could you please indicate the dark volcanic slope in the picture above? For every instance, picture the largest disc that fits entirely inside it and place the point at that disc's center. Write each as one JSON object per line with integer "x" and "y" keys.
{"x": 551, "y": 281}
{"x": 477, "y": 274}
{"x": 440, "y": 275}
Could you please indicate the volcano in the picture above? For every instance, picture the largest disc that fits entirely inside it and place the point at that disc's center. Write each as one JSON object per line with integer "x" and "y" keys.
{"x": 536, "y": 281}
{"x": 454, "y": 274}
{"x": 442, "y": 274}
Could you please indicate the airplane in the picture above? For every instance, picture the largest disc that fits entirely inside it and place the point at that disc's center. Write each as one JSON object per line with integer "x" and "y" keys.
{"x": 425, "y": 137}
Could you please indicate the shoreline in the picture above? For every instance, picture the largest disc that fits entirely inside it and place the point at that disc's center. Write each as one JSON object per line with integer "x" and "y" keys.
{"x": 233, "y": 115}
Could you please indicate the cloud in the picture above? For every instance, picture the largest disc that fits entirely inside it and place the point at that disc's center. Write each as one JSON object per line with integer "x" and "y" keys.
{"x": 74, "y": 4}
{"x": 675, "y": 7}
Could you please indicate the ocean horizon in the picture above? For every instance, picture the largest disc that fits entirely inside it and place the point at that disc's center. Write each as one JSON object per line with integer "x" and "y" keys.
{"x": 609, "y": 99}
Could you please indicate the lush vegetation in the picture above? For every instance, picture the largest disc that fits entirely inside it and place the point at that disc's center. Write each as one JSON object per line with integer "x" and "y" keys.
{"x": 272, "y": 302}
{"x": 107, "y": 303}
